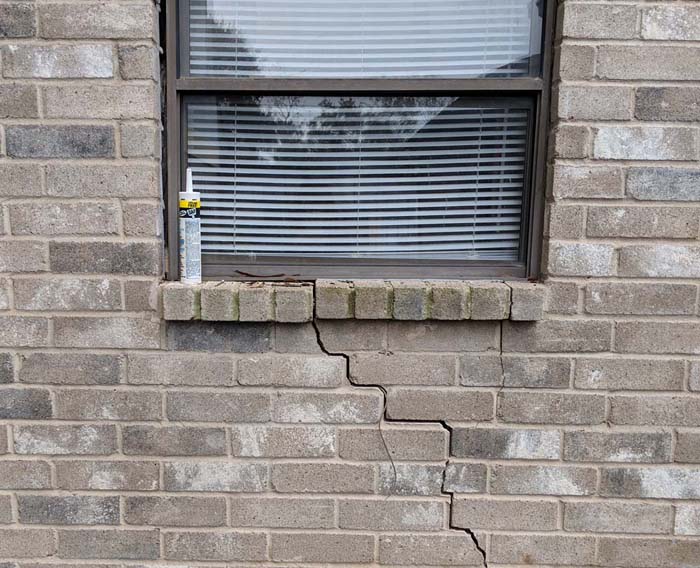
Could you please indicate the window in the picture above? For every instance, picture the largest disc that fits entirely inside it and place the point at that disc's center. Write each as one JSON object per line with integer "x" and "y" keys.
{"x": 361, "y": 138}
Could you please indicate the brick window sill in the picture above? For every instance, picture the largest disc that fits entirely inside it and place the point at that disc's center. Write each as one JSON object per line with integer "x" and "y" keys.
{"x": 414, "y": 300}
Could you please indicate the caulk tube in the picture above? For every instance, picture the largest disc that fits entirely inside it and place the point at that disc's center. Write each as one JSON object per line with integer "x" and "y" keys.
{"x": 190, "y": 234}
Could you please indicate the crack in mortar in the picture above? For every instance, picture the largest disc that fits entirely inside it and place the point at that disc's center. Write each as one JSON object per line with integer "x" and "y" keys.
{"x": 383, "y": 418}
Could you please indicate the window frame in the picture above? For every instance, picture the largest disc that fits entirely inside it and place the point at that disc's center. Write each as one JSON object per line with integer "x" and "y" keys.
{"x": 535, "y": 89}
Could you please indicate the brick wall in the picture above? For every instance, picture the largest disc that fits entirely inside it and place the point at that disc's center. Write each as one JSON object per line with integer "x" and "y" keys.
{"x": 126, "y": 440}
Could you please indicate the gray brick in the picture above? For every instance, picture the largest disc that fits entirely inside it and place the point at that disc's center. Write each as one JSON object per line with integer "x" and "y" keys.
{"x": 657, "y": 337}
{"x": 48, "y": 141}
{"x": 642, "y": 222}
{"x": 442, "y": 336}
{"x": 648, "y": 62}
{"x": 402, "y": 369}
{"x": 411, "y": 300}
{"x": 527, "y": 301}
{"x": 139, "y": 140}
{"x": 324, "y": 548}
{"x": 101, "y": 102}
{"x": 687, "y": 520}
{"x": 551, "y": 408}
{"x": 574, "y": 182}
{"x": 464, "y": 478}
{"x": 617, "y": 518}
{"x": 229, "y": 546}
{"x": 382, "y": 515}
{"x": 481, "y": 370}
{"x": 297, "y": 339}
{"x": 490, "y": 301}
{"x": 575, "y": 62}
{"x": 17, "y": 20}
{"x": 23, "y": 256}
{"x": 645, "y": 143}
{"x": 7, "y": 369}
{"x": 339, "y": 407}
{"x": 581, "y": 259}
{"x": 322, "y": 478}
{"x": 85, "y": 404}
{"x": 571, "y": 141}
{"x": 256, "y": 302}
{"x": 275, "y": 512}
{"x": 67, "y": 294}
{"x": 90, "y": 181}
{"x": 294, "y": 303}
{"x": 656, "y": 552}
{"x": 668, "y": 103}
{"x": 687, "y": 447}
{"x": 600, "y": 21}
{"x": 68, "y": 510}
{"x": 667, "y": 184}
{"x": 594, "y": 102}
{"x": 71, "y": 369}
{"x": 20, "y": 180}
{"x": 104, "y": 543}
{"x": 450, "y": 300}
{"x": 628, "y": 447}
{"x": 565, "y": 221}
{"x": 373, "y": 299}
{"x": 5, "y": 511}
{"x": 224, "y": 407}
{"x": 23, "y": 331}
{"x": 284, "y": 441}
{"x": 511, "y": 515}
{"x": 292, "y": 371}
{"x": 24, "y": 404}
{"x": 351, "y": 335}
{"x": 647, "y": 410}
{"x": 139, "y": 62}
{"x": 97, "y": 20}
{"x": 107, "y": 475}
{"x": 671, "y": 22}
{"x": 141, "y": 295}
{"x": 215, "y": 336}
{"x": 192, "y": 369}
{"x": 180, "y": 301}
{"x": 445, "y": 549}
{"x": 506, "y": 444}
{"x": 334, "y": 299}
{"x": 142, "y": 218}
{"x": 641, "y": 299}
{"x": 542, "y": 480}
{"x": 24, "y": 474}
{"x": 27, "y": 543}
{"x": 139, "y": 258}
{"x": 173, "y": 441}
{"x": 557, "y": 335}
{"x": 541, "y": 550}
{"x": 439, "y": 404}
{"x": 58, "y": 61}
{"x": 404, "y": 444}
{"x": 106, "y": 332}
{"x": 536, "y": 372}
{"x": 629, "y": 374}
{"x": 65, "y": 440}
{"x": 410, "y": 479}
{"x": 660, "y": 261}
{"x": 4, "y": 294}
{"x": 175, "y": 511}
{"x": 650, "y": 483}
{"x": 18, "y": 101}
{"x": 215, "y": 476}
{"x": 219, "y": 301}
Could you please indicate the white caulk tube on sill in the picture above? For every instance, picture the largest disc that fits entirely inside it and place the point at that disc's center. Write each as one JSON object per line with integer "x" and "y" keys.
{"x": 190, "y": 234}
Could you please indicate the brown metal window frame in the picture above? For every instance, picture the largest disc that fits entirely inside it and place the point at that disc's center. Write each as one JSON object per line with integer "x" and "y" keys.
{"x": 536, "y": 89}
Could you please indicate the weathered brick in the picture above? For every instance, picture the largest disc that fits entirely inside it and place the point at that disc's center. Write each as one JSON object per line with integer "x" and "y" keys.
{"x": 106, "y": 332}
{"x": 84, "y": 404}
{"x": 551, "y": 408}
{"x": 224, "y": 407}
{"x": 562, "y": 297}
{"x": 17, "y": 20}
{"x": 665, "y": 184}
{"x": 139, "y": 62}
{"x": 648, "y": 62}
{"x": 18, "y": 101}
{"x": 527, "y": 301}
{"x": 256, "y": 302}
{"x": 56, "y": 439}
{"x": 298, "y": 339}
{"x": 107, "y": 475}
{"x": 656, "y": 552}
{"x": 24, "y": 404}
{"x": 660, "y": 261}
{"x": 584, "y": 182}
{"x": 20, "y": 180}
{"x": 410, "y": 479}
{"x": 575, "y": 62}
{"x": 90, "y": 181}
{"x": 58, "y": 61}
{"x": 142, "y": 218}
{"x": 4, "y": 294}
{"x": 657, "y": 337}
{"x": 535, "y": 372}
{"x": 542, "y": 480}
{"x": 505, "y": 443}
{"x": 668, "y": 103}
{"x": 219, "y": 301}
{"x": 23, "y": 256}
{"x": 600, "y": 21}
{"x": 511, "y": 515}
{"x": 104, "y": 543}
{"x": 687, "y": 447}
{"x": 284, "y": 441}
{"x": 27, "y": 543}
{"x": 490, "y": 301}
{"x": 541, "y": 550}
{"x": 24, "y": 474}
{"x": 215, "y": 476}
{"x": 642, "y": 222}
{"x": 141, "y": 295}
{"x": 650, "y": 410}
{"x": 97, "y": 20}
{"x": 192, "y": 369}
{"x": 581, "y": 259}
{"x": 228, "y": 546}
{"x": 67, "y": 294}
{"x": 687, "y": 520}
{"x": 439, "y": 404}
{"x": 641, "y": 299}
{"x": 294, "y": 303}
{"x": 139, "y": 258}
{"x": 292, "y": 371}
{"x": 450, "y": 300}
{"x": 324, "y": 548}
{"x": 411, "y": 300}
{"x": 322, "y": 478}
{"x": 7, "y": 369}
{"x": 557, "y": 335}
{"x": 594, "y": 102}
{"x": 442, "y": 336}
{"x": 650, "y": 482}
{"x": 426, "y": 443}
{"x": 571, "y": 141}
{"x": 429, "y": 550}
{"x": 339, "y": 407}
{"x": 180, "y": 301}
{"x": 464, "y": 478}
{"x": 645, "y": 143}
{"x": 68, "y": 510}
{"x": 671, "y": 22}
{"x": 628, "y": 374}
{"x": 175, "y": 511}
{"x": 382, "y": 515}
{"x": 614, "y": 517}
{"x": 481, "y": 370}
{"x": 23, "y": 331}
{"x": 173, "y": 441}
{"x": 5, "y": 510}
{"x": 219, "y": 336}
{"x": 350, "y": 335}
{"x": 70, "y": 369}
{"x": 565, "y": 221}
{"x": 275, "y": 512}
{"x": 334, "y": 299}
{"x": 139, "y": 140}
{"x": 373, "y": 299}
{"x": 402, "y": 369}
{"x": 628, "y": 447}
{"x": 48, "y": 141}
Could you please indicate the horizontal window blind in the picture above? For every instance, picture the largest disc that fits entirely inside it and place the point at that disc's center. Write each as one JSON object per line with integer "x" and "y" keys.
{"x": 362, "y": 38}
{"x": 357, "y": 177}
